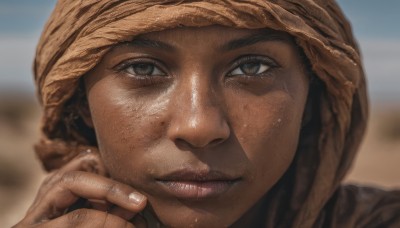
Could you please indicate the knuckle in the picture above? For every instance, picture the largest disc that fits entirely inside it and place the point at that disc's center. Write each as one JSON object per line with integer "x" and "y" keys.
{"x": 77, "y": 217}
{"x": 112, "y": 189}
{"x": 48, "y": 179}
{"x": 51, "y": 178}
{"x": 70, "y": 177}
{"x": 48, "y": 183}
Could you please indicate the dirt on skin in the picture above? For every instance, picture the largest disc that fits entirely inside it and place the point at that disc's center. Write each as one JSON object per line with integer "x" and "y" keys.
{"x": 377, "y": 162}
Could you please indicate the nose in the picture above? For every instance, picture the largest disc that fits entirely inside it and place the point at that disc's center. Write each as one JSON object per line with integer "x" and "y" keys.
{"x": 198, "y": 120}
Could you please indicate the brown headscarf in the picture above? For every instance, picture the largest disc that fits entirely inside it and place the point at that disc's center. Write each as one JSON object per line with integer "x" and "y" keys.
{"x": 79, "y": 33}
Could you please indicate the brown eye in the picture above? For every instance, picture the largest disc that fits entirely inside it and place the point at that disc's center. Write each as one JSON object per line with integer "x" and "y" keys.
{"x": 250, "y": 68}
{"x": 143, "y": 69}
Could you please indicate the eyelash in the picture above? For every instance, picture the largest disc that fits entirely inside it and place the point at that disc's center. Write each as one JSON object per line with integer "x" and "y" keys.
{"x": 144, "y": 80}
{"x": 125, "y": 65}
{"x": 237, "y": 64}
{"x": 263, "y": 60}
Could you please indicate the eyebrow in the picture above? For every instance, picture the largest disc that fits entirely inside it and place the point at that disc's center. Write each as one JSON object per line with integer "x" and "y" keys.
{"x": 253, "y": 39}
{"x": 231, "y": 45}
{"x": 147, "y": 43}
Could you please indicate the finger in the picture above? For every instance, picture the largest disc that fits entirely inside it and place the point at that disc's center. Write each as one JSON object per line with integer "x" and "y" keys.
{"x": 89, "y": 218}
{"x": 99, "y": 205}
{"x": 102, "y": 205}
{"x": 87, "y": 161}
{"x": 77, "y": 184}
{"x": 121, "y": 212}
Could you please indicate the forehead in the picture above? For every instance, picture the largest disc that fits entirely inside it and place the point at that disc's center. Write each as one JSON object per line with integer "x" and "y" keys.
{"x": 221, "y": 37}
{"x": 212, "y": 30}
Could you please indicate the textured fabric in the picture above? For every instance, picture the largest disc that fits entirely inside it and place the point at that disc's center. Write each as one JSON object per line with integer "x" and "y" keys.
{"x": 79, "y": 33}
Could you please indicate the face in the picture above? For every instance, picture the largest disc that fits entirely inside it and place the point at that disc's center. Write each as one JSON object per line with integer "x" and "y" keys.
{"x": 203, "y": 121}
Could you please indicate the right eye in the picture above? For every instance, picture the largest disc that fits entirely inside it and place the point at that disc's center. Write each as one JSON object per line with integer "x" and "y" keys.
{"x": 142, "y": 69}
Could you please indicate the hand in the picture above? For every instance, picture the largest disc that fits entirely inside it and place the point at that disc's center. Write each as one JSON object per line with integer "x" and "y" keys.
{"x": 79, "y": 195}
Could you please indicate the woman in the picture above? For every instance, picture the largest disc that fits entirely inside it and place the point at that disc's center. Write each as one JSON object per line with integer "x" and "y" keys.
{"x": 203, "y": 114}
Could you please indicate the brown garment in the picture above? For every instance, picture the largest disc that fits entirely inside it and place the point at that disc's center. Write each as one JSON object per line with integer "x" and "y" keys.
{"x": 79, "y": 33}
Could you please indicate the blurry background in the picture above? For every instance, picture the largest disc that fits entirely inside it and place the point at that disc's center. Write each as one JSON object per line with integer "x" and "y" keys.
{"x": 375, "y": 23}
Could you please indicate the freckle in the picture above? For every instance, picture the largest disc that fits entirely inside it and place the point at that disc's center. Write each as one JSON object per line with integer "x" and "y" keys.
{"x": 151, "y": 171}
{"x": 277, "y": 123}
{"x": 162, "y": 123}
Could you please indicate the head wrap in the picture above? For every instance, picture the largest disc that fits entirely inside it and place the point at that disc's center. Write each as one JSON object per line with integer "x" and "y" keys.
{"x": 79, "y": 33}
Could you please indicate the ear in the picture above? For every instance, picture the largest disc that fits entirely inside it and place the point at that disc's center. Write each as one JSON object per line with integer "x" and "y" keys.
{"x": 84, "y": 112}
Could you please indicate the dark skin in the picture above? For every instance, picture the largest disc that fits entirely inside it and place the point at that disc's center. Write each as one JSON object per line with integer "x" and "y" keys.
{"x": 198, "y": 123}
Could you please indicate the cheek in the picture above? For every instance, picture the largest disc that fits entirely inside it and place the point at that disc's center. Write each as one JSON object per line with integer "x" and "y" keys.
{"x": 126, "y": 129}
{"x": 268, "y": 128}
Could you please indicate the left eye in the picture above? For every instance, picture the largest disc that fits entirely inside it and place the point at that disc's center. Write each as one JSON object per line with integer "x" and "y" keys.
{"x": 143, "y": 69}
{"x": 250, "y": 68}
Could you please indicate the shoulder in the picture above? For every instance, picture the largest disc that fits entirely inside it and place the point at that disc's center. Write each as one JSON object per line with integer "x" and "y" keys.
{"x": 358, "y": 206}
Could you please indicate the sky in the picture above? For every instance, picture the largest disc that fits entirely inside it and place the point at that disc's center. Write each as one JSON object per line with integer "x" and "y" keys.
{"x": 375, "y": 24}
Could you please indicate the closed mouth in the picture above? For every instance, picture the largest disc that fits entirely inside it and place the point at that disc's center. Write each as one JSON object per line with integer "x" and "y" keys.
{"x": 197, "y": 185}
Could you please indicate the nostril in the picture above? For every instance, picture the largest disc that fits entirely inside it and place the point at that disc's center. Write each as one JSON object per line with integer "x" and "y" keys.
{"x": 202, "y": 127}
{"x": 216, "y": 142}
{"x": 182, "y": 143}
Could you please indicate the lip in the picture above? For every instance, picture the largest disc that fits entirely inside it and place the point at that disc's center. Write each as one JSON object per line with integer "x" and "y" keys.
{"x": 197, "y": 185}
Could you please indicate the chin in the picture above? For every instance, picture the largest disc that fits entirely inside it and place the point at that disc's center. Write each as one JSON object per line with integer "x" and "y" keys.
{"x": 193, "y": 219}
{"x": 194, "y": 214}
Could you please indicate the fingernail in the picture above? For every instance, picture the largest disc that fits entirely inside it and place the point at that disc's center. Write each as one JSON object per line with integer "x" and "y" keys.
{"x": 136, "y": 198}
